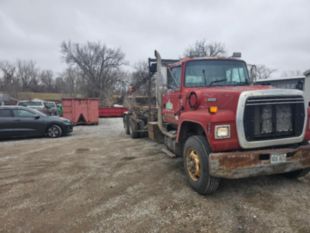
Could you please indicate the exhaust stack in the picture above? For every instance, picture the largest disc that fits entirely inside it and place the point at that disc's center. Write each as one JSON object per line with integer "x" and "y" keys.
{"x": 159, "y": 92}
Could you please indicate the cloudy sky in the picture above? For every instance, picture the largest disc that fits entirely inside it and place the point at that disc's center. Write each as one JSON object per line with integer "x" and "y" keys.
{"x": 275, "y": 33}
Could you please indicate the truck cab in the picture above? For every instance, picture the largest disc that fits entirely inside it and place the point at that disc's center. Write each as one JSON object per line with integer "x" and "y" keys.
{"x": 210, "y": 113}
{"x": 225, "y": 127}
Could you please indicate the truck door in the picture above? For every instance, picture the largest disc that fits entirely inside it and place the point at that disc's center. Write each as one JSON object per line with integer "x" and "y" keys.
{"x": 172, "y": 98}
{"x": 6, "y": 123}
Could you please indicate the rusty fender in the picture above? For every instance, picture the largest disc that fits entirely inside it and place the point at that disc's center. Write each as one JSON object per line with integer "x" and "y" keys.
{"x": 233, "y": 165}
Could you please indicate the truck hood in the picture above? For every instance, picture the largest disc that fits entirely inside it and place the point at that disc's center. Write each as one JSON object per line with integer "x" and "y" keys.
{"x": 224, "y": 97}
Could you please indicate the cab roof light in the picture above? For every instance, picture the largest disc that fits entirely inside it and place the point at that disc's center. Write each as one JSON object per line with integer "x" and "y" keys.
{"x": 236, "y": 55}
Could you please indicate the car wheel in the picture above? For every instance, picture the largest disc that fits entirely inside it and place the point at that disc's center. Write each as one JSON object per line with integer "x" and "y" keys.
{"x": 196, "y": 165}
{"x": 54, "y": 131}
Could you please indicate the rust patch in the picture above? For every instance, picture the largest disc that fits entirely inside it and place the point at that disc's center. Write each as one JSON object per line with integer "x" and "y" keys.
{"x": 82, "y": 150}
{"x": 239, "y": 161}
{"x": 257, "y": 162}
{"x": 128, "y": 158}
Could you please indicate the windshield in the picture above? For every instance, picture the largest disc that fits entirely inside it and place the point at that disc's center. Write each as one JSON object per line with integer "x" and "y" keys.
{"x": 50, "y": 104}
{"x": 206, "y": 73}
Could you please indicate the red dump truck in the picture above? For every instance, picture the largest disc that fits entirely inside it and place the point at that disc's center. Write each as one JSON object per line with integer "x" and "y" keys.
{"x": 210, "y": 113}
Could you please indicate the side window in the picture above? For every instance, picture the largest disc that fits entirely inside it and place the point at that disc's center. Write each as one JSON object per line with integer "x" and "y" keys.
{"x": 300, "y": 85}
{"x": 5, "y": 113}
{"x": 174, "y": 78}
{"x": 23, "y": 113}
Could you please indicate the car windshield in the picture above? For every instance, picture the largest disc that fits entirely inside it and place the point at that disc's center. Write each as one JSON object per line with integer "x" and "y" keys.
{"x": 30, "y": 103}
{"x": 206, "y": 73}
{"x": 50, "y": 105}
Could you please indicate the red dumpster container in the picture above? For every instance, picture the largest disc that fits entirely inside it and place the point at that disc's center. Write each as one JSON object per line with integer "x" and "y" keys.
{"x": 112, "y": 111}
{"x": 81, "y": 110}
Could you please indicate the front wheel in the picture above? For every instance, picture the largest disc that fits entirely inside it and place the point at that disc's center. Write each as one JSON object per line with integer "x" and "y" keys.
{"x": 54, "y": 131}
{"x": 196, "y": 165}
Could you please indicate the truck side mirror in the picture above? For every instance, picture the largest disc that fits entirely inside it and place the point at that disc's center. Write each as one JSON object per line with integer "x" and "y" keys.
{"x": 153, "y": 68}
{"x": 253, "y": 74}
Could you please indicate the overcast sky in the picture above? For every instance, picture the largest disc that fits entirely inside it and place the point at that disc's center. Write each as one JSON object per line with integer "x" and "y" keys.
{"x": 275, "y": 33}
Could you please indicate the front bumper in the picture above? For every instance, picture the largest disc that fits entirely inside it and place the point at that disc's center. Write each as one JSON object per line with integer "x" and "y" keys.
{"x": 233, "y": 165}
{"x": 67, "y": 129}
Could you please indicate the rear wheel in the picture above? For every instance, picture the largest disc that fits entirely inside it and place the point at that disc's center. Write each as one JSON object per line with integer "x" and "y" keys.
{"x": 126, "y": 124}
{"x": 196, "y": 165}
{"x": 133, "y": 129}
{"x": 54, "y": 131}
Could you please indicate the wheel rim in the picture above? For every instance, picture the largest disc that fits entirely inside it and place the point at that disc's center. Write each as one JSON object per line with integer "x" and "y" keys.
{"x": 193, "y": 164}
{"x": 53, "y": 131}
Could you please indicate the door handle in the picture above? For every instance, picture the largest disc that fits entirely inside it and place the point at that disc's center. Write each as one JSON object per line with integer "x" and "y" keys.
{"x": 179, "y": 111}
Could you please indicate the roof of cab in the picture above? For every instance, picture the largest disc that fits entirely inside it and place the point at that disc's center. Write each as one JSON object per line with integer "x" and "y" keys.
{"x": 186, "y": 59}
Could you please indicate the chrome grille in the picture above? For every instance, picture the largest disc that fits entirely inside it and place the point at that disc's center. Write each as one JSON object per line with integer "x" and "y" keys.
{"x": 273, "y": 117}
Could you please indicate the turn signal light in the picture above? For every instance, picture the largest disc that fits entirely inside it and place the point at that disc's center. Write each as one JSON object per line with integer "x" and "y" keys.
{"x": 213, "y": 109}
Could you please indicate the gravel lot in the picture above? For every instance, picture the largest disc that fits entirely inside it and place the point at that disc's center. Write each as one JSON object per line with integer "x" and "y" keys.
{"x": 100, "y": 180}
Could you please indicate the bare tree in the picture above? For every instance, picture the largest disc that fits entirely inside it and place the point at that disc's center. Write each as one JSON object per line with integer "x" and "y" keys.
{"x": 60, "y": 84}
{"x": 73, "y": 82}
{"x": 9, "y": 82}
{"x": 263, "y": 72}
{"x": 291, "y": 73}
{"x": 27, "y": 73}
{"x": 202, "y": 48}
{"x": 139, "y": 78}
{"x": 47, "y": 82}
{"x": 99, "y": 65}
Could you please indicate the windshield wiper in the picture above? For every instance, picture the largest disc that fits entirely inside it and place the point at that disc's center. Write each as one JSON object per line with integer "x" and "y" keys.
{"x": 239, "y": 83}
{"x": 217, "y": 81}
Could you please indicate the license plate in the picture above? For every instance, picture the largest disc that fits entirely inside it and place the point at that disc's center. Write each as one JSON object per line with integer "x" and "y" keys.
{"x": 277, "y": 158}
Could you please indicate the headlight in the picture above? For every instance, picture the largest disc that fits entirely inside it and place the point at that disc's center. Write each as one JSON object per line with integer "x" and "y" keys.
{"x": 222, "y": 131}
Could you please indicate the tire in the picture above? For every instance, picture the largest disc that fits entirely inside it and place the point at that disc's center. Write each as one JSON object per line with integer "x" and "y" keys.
{"x": 196, "y": 165}
{"x": 54, "y": 131}
{"x": 132, "y": 130}
{"x": 296, "y": 174}
{"x": 126, "y": 124}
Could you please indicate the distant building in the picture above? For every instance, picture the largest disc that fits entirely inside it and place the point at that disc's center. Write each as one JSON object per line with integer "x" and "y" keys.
{"x": 296, "y": 82}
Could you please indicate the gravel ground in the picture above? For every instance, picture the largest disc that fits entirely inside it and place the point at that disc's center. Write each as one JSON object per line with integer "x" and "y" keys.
{"x": 100, "y": 180}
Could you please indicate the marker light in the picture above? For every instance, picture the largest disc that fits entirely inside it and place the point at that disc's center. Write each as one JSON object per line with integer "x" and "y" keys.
{"x": 213, "y": 109}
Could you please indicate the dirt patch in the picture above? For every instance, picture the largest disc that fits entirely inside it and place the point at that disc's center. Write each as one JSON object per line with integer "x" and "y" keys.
{"x": 128, "y": 158}
{"x": 82, "y": 150}
{"x": 101, "y": 180}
